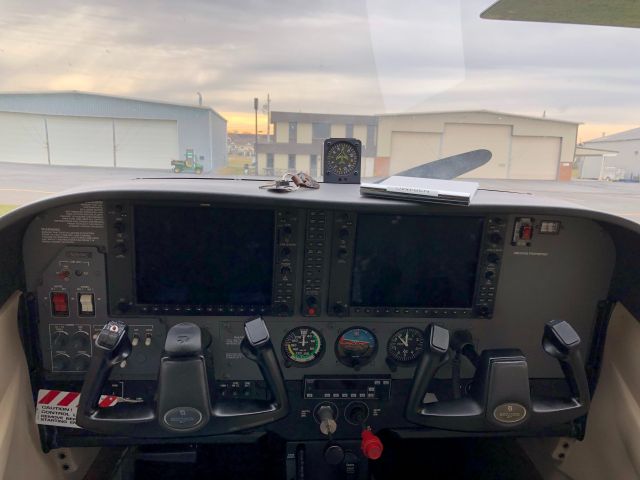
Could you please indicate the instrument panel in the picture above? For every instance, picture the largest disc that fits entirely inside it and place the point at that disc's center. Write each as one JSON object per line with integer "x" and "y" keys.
{"x": 346, "y": 294}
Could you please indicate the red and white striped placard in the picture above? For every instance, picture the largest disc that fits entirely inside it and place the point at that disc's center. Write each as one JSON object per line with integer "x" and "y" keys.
{"x": 71, "y": 399}
{"x": 59, "y": 408}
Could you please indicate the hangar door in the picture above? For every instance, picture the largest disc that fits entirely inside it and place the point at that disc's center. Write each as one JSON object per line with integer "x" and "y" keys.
{"x": 535, "y": 158}
{"x": 146, "y": 143}
{"x": 23, "y": 138}
{"x": 409, "y": 149}
{"x": 81, "y": 141}
{"x": 464, "y": 137}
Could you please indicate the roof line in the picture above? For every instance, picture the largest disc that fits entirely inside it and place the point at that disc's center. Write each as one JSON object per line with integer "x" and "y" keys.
{"x": 494, "y": 112}
{"x": 135, "y": 99}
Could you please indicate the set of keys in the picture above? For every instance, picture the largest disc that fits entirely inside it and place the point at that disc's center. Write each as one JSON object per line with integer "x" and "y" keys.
{"x": 291, "y": 182}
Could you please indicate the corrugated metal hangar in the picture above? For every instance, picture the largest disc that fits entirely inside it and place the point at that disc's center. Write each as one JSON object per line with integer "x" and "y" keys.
{"x": 522, "y": 147}
{"x": 86, "y": 129}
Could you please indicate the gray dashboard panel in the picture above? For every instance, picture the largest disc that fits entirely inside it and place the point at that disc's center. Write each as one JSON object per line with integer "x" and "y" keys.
{"x": 558, "y": 276}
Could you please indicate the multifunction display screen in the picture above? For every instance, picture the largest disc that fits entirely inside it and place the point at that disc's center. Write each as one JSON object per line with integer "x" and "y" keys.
{"x": 203, "y": 255}
{"x": 415, "y": 261}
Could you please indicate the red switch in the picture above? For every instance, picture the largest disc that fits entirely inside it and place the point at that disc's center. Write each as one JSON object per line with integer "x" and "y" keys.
{"x": 60, "y": 304}
{"x": 526, "y": 232}
{"x": 371, "y": 445}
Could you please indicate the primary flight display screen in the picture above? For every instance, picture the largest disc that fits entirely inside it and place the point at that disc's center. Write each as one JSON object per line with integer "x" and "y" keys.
{"x": 203, "y": 255}
{"x": 415, "y": 261}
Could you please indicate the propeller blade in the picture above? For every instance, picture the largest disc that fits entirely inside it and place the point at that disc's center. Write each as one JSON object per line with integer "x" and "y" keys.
{"x": 450, "y": 167}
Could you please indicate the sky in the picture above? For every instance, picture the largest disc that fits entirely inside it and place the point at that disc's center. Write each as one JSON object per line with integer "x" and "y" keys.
{"x": 327, "y": 56}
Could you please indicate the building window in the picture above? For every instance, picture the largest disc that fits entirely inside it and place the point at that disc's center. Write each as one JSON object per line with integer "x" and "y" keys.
{"x": 293, "y": 132}
{"x": 371, "y": 136}
{"x": 292, "y": 161}
{"x": 268, "y": 170}
{"x": 321, "y": 131}
{"x": 313, "y": 165}
{"x": 348, "y": 131}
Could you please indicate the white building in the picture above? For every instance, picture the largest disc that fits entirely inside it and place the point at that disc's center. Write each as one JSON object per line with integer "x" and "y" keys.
{"x": 522, "y": 147}
{"x": 299, "y": 139}
{"x": 86, "y": 129}
{"x": 627, "y": 144}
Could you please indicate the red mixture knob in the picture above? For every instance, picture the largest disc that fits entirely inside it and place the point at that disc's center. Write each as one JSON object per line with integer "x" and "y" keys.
{"x": 371, "y": 445}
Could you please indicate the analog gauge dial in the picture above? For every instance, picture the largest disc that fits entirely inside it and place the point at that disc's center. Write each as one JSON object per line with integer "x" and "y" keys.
{"x": 342, "y": 158}
{"x": 406, "y": 345}
{"x": 356, "y": 347}
{"x": 302, "y": 346}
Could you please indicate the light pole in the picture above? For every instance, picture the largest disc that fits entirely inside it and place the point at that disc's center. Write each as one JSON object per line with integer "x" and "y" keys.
{"x": 255, "y": 148}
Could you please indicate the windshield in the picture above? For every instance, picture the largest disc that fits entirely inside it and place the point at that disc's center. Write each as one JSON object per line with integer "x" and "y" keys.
{"x": 114, "y": 90}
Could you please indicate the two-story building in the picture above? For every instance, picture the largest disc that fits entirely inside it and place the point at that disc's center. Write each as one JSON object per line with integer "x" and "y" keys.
{"x": 299, "y": 141}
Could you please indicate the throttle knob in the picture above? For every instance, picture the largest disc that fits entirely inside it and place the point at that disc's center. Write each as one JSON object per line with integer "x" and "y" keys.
{"x": 371, "y": 445}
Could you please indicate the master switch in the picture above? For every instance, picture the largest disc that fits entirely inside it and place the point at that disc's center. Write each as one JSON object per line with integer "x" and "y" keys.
{"x": 60, "y": 304}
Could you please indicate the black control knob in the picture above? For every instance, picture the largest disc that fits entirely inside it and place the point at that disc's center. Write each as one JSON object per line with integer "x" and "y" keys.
{"x": 59, "y": 340}
{"x": 333, "y": 454}
{"x": 311, "y": 301}
{"x": 483, "y": 311}
{"x": 80, "y": 341}
{"x": 80, "y": 362}
{"x": 495, "y": 238}
{"x": 285, "y": 270}
{"x": 120, "y": 249}
{"x": 344, "y": 233}
{"x": 489, "y": 274}
{"x": 282, "y": 309}
{"x": 60, "y": 362}
{"x": 356, "y": 413}
{"x": 285, "y": 251}
{"x": 119, "y": 227}
{"x": 342, "y": 253}
{"x": 338, "y": 309}
{"x": 493, "y": 258}
{"x": 286, "y": 230}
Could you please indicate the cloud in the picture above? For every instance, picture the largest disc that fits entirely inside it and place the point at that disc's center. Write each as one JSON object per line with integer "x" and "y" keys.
{"x": 363, "y": 56}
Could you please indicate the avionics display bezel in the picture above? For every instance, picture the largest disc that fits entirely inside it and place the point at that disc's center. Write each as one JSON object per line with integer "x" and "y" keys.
{"x": 484, "y": 288}
{"x": 122, "y": 276}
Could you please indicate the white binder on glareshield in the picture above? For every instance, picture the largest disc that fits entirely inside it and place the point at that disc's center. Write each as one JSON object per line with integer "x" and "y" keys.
{"x": 426, "y": 190}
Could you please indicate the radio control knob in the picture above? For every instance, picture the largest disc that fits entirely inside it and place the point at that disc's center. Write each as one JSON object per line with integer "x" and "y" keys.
{"x": 286, "y": 270}
{"x": 489, "y": 274}
{"x": 312, "y": 301}
{"x": 495, "y": 238}
{"x": 338, "y": 309}
{"x": 119, "y": 227}
{"x": 493, "y": 258}
{"x": 282, "y": 309}
{"x": 344, "y": 233}
{"x": 342, "y": 253}
{"x": 285, "y": 251}
{"x": 120, "y": 249}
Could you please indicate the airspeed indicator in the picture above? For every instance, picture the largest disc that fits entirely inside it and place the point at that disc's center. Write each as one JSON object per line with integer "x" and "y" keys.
{"x": 302, "y": 346}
